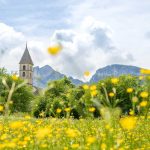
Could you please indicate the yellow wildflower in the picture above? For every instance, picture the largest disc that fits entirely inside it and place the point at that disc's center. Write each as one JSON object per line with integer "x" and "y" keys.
{"x": 58, "y": 110}
{"x": 72, "y": 133}
{"x": 55, "y": 49}
{"x": 65, "y": 148}
{"x": 143, "y": 103}
{"x": 68, "y": 109}
{"x": 75, "y": 146}
{"x": 103, "y": 146}
{"x": 131, "y": 112}
{"x": 94, "y": 93}
{"x": 42, "y": 133}
{"x": 91, "y": 109}
{"x": 1, "y": 108}
{"x": 111, "y": 94}
{"x": 85, "y": 87}
{"x": 91, "y": 139}
{"x": 16, "y": 124}
{"x": 145, "y": 71}
{"x": 14, "y": 77}
{"x": 93, "y": 87}
{"x": 86, "y": 73}
{"x": 144, "y": 94}
{"x": 128, "y": 123}
{"x": 129, "y": 90}
{"x": 114, "y": 80}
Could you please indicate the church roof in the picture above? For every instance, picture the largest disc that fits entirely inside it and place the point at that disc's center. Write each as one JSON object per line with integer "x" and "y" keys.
{"x": 26, "y": 58}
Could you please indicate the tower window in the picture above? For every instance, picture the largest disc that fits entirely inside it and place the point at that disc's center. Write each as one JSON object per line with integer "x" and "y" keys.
{"x": 23, "y": 74}
{"x": 24, "y": 67}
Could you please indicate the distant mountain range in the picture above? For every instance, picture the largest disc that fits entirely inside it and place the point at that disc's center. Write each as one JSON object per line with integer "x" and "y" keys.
{"x": 41, "y": 76}
{"x": 46, "y": 73}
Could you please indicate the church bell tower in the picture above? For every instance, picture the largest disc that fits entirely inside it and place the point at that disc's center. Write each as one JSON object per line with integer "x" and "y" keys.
{"x": 26, "y": 67}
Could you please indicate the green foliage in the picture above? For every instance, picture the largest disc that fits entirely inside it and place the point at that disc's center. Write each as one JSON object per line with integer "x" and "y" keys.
{"x": 21, "y": 97}
{"x": 121, "y": 99}
{"x": 61, "y": 94}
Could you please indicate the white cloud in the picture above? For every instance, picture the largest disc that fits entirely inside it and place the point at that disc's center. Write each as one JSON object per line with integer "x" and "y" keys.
{"x": 87, "y": 47}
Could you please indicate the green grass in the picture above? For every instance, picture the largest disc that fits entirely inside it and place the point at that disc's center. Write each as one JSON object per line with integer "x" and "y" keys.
{"x": 62, "y": 134}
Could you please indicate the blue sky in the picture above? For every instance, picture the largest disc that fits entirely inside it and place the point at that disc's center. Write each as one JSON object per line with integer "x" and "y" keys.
{"x": 94, "y": 33}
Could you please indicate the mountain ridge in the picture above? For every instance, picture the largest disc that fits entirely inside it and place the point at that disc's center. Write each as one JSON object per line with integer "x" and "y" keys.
{"x": 42, "y": 75}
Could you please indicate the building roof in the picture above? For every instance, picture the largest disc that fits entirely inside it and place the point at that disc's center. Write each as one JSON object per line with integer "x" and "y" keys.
{"x": 26, "y": 58}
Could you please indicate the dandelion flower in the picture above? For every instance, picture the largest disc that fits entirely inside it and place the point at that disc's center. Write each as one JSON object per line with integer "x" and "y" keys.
{"x": 143, "y": 103}
{"x": 91, "y": 109}
{"x": 144, "y": 94}
{"x": 55, "y": 49}
{"x": 128, "y": 123}
{"x": 85, "y": 87}
{"x": 114, "y": 80}
{"x": 58, "y": 110}
{"x": 111, "y": 94}
{"x": 15, "y": 77}
{"x": 1, "y": 108}
{"x": 129, "y": 90}
{"x": 86, "y": 73}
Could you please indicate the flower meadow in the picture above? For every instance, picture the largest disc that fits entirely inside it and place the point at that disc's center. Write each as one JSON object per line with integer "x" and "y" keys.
{"x": 64, "y": 134}
{"x": 113, "y": 114}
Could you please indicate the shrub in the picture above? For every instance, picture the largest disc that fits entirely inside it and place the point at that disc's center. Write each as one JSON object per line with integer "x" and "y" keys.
{"x": 21, "y": 98}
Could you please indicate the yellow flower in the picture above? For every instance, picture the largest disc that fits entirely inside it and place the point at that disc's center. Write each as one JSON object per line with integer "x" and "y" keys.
{"x": 68, "y": 109}
{"x": 129, "y": 90}
{"x": 42, "y": 132}
{"x": 16, "y": 124}
{"x": 93, "y": 87}
{"x": 103, "y": 146}
{"x": 14, "y": 77}
{"x": 144, "y": 94}
{"x": 143, "y": 103}
{"x": 1, "y": 108}
{"x": 72, "y": 133}
{"x": 91, "y": 139}
{"x": 111, "y": 94}
{"x": 75, "y": 146}
{"x": 85, "y": 87}
{"x": 91, "y": 109}
{"x": 55, "y": 49}
{"x": 58, "y": 110}
{"x": 94, "y": 93}
{"x": 131, "y": 112}
{"x": 65, "y": 148}
{"x": 145, "y": 71}
{"x": 114, "y": 80}
{"x": 128, "y": 123}
{"x": 86, "y": 73}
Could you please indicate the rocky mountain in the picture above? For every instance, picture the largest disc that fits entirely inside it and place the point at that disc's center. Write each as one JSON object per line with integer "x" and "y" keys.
{"x": 41, "y": 76}
{"x": 46, "y": 73}
{"x": 114, "y": 70}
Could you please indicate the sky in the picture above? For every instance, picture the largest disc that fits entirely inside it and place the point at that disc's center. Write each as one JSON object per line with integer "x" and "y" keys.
{"x": 93, "y": 33}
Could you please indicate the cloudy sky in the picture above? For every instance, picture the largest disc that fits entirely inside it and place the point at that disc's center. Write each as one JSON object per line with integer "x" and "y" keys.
{"x": 94, "y": 33}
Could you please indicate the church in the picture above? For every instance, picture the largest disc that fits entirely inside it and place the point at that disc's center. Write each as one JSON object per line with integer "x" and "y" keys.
{"x": 26, "y": 67}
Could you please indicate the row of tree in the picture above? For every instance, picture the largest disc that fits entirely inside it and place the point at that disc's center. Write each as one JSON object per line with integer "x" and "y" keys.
{"x": 63, "y": 99}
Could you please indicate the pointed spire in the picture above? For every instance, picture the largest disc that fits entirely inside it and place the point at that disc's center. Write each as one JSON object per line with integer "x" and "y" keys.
{"x": 26, "y": 45}
{"x": 26, "y": 58}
